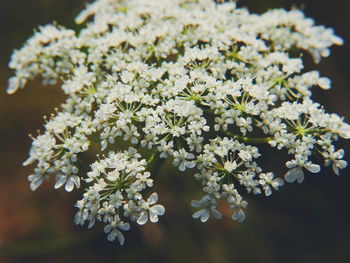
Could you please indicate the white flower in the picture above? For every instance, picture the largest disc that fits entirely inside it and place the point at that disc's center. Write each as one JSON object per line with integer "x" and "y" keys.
{"x": 335, "y": 158}
{"x": 245, "y": 155}
{"x": 165, "y": 148}
{"x": 208, "y": 207}
{"x": 150, "y": 210}
{"x": 116, "y": 199}
{"x": 297, "y": 173}
{"x": 189, "y": 81}
{"x": 339, "y": 164}
{"x": 267, "y": 181}
{"x": 238, "y": 215}
{"x": 238, "y": 203}
{"x": 180, "y": 159}
{"x": 112, "y": 229}
{"x": 230, "y": 166}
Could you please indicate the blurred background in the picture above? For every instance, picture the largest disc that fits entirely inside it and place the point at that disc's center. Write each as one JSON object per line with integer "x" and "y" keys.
{"x": 300, "y": 223}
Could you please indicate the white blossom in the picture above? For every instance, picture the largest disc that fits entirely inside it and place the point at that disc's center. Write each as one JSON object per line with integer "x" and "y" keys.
{"x": 194, "y": 82}
{"x": 207, "y": 207}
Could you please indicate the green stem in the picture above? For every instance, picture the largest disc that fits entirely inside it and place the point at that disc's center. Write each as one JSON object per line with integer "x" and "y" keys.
{"x": 248, "y": 139}
{"x": 154, "y": 162}
{"x": 151, "y": 158}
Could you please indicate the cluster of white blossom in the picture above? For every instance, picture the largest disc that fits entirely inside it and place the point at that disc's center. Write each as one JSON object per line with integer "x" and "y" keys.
{"x": 116, "y": 182}
{"x": 191, "y": 80}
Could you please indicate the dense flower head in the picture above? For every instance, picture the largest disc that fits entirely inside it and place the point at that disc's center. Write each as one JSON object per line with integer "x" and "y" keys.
{"x": 196, "y": 81}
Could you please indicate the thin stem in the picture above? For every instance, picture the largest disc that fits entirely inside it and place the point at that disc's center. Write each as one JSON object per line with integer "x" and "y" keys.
{"x": 154, "y": 162}
{"x": 151, "y": 158}
{"x": 248, "y": 139}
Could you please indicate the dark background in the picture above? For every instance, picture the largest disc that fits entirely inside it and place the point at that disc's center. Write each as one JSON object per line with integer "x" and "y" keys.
{"x": 300, "y": 223}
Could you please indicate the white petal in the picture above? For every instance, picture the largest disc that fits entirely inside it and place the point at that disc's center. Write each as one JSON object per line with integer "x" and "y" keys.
{"x": 103, "y": 145}
{"x": 195, "y": 203}
{"x": 34, "y": 177}
{"x": 142, "y": 218}
{"x": 313, "y": 168}
{"x": 300, "y": 177}
{"x": 190, "y": 156}
{"x": 91, "y": 222}
{"x": 335, "y": 168}
{"x": 112, "y": 235}
{"x": 120, "y": 237}
{"x": 190, "y": 164}
{"x": 337, "y": 40}
{"x": 238, "y": 216}
{"x": 291, "y": 164}
{"x": 30, "y": 160}
{"x": 344, "y": 131}
{"x": 70, "y": 184}
{"x": 76, "y": 180}
{"x": 324, "y": 83}
{"x": 124, "y": 226}
{"x": 107, "y": 229}
{"x": 35, "y": 184}
{"x": 78, "y": 218}
{"x": 268, "y": 191}
{"x": 61, "y": 181}
{"x": 291, "y": 175}
{"x": 152, "y": 199}
{"x": 276, "y": 183}
{"x": 216, "y": 213}
{"x": 197, "y": 214}
{"x": 13, "y": 85}
{"x": 205, "y": 215}
{"x": 342, "y": 164}
{"x": 182, "y": 166}
{"x": 160, "y": 210}
{"x": 153, "y": 217}
{"x": 339, "y": 164}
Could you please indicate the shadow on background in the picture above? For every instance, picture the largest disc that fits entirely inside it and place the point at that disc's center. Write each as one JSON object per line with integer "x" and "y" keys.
{"x": 301, "y": 223}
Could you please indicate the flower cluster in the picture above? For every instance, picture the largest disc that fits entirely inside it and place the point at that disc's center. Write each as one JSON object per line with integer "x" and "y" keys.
{"x": 116, "y": 182}
{"x": 196, "y": 81}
